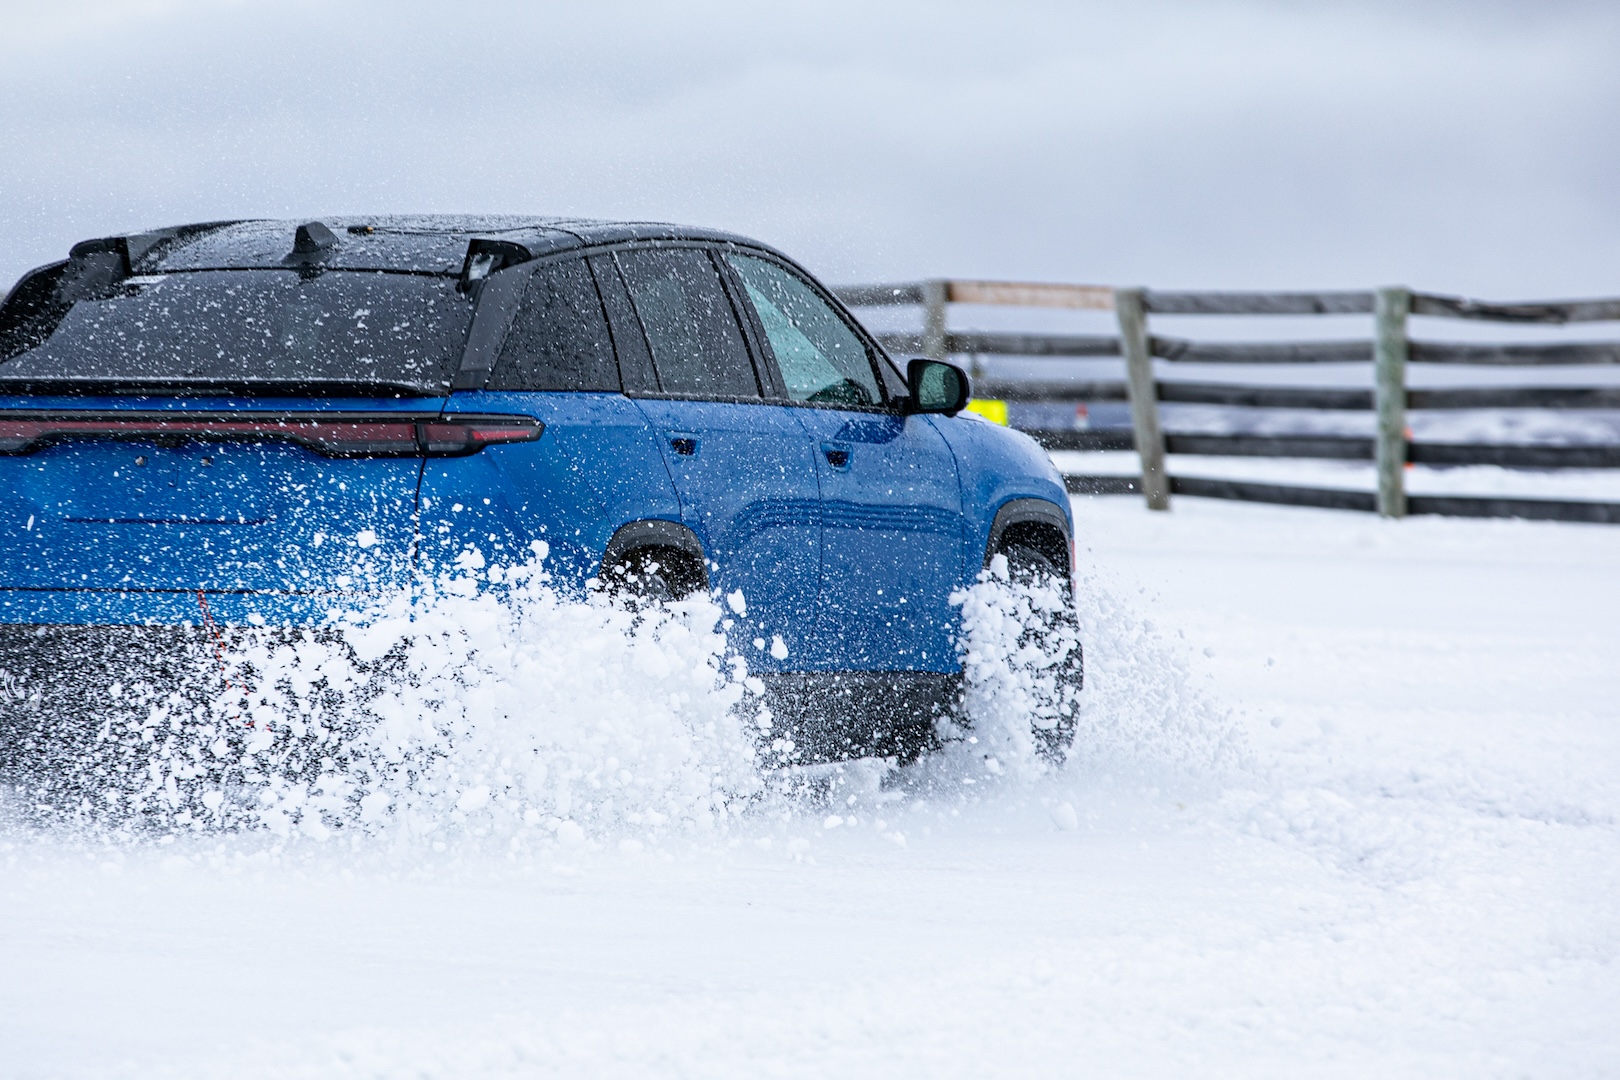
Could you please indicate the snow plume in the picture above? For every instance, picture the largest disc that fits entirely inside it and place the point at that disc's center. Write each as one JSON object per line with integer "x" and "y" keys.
{"x": 489, "y": 712}
{"x": 1139, "y": 712}
{"x": 1143, "y": 710}
{"x": 1021, "y": 655}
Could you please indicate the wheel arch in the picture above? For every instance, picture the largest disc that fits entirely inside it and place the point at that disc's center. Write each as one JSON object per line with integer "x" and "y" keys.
{"x": 1038, "y": 522}
{"x": 636, "y": 536}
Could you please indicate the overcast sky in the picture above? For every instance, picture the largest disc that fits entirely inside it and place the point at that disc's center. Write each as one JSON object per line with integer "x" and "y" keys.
{"x": 1466, "y": 147}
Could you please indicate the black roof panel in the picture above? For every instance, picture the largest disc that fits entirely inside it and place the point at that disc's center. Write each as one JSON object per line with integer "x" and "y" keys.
{"x": 423, "y": 243}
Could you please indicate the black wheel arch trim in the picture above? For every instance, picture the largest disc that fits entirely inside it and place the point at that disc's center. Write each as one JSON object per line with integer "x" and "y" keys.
{"x": 656, "y": 533}
{"x": 1028, "y": 511}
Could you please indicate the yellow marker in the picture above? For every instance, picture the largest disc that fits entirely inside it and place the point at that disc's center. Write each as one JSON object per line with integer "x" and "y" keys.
{"x": 991, "y": 409}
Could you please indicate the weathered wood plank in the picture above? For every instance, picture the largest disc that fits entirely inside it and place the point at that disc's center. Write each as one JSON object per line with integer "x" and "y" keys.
{"x": 1009, "y": 344}
{"x": 1281, "y": 494}
{"x": 879, "y": 295}
{"x": 1258, "y": 303}
{"x": 1515, "y": 457}
{"x": 1516, "y": 397}
{"x": 934, "y": 294}
{"x": 1601, "y": 513}
{"x": 1333, "y": 447}
{"x": 1304, "y": 397}
{"x": 1133, "y": 336}
{"x": 1266, "y": 397}
{"x": 1551, "y": 353}
{"x": 1549, "y": 311}
{"x": 1048, "y": 389}
{"x": 1031, "y": 294}
{"x": 900, "y": 343}
{"x": 1389, "y": 396}
{"x": 1262, "y": 352}
{"x": 1072, "y": 439}
{"x": 1103, "y": 485}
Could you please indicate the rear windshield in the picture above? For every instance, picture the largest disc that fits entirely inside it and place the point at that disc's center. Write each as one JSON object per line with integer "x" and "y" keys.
{"x": 252, "y": 329}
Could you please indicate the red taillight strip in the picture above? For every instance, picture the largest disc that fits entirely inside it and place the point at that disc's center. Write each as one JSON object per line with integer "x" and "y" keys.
{"x": 332, "y": 436}
{"x": 455, "y": 435}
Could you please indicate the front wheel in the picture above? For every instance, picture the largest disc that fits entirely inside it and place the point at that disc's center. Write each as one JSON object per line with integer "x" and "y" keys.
{"x": 1053, "y": 629}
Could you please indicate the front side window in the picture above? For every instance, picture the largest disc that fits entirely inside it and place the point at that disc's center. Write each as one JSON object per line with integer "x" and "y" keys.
{"x": 821, "y": 359}
{"x": 697, "y": 346}
{"x": 559, "y": 340}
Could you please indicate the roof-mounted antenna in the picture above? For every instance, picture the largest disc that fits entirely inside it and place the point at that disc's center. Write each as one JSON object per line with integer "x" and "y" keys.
{"x": 313, "y": 238}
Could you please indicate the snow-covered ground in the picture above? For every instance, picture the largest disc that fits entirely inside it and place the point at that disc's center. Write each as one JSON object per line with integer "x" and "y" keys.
{"x": 1346, "y": 803}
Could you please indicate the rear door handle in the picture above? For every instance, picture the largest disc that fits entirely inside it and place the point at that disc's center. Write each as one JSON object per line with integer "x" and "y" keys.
{"x": 683, "y": 444}
{"x": 837, "y": 455}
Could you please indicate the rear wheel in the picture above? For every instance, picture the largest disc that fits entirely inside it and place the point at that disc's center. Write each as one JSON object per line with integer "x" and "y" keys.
{"x": 1054, "y": 629}
{"x": 654, "y": 575}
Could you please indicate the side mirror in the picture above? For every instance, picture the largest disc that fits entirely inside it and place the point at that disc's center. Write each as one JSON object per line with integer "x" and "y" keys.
{"x": 937, "y": 387}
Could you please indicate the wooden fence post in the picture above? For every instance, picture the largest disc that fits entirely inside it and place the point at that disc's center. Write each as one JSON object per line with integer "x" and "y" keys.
{"x": 1131, "y": 310}
{"x": 1391, "y": 309}
{"x": 934, "y": 294}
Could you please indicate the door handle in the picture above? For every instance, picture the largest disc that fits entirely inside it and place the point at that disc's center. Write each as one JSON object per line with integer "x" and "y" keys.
{"x": 684, "y": 445}
{"x": 837, "y": 455}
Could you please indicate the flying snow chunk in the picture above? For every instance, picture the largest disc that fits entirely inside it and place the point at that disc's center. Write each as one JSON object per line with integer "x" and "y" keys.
{"x": 737, "y": 603}
{"x": 778, "y": 647}
{"x": 374, "y": 806}
{"x": 569, "y": 834}
{"x": 1064, "y": 817}
{"x": 366, "y": 538}
{"x": 474, "y": 799}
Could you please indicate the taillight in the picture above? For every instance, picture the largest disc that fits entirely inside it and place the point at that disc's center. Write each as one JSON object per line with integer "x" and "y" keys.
{"x": 333, "y": 436}
{"x": 456, "y": 435}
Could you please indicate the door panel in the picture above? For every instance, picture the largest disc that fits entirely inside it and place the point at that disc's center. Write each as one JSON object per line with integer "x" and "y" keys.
{"x": 747, "y": 483}
{"x": 892, "y": 529}
{"x": 891, "y": 549}
{"x": 744, "y": 468}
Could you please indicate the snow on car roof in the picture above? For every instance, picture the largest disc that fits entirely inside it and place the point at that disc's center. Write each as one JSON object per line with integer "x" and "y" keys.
{"x": 421, "y": 243}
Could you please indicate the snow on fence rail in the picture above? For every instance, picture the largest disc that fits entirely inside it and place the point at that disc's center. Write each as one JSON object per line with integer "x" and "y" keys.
{"x": 1389, "y": 351}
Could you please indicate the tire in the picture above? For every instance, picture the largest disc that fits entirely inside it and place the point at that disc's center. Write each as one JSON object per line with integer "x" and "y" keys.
{"x": 651, "y": 576}
{"x": 1029, "y": 567}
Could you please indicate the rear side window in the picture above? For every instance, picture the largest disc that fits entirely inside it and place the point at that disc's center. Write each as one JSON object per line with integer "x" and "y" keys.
{"x": 252, "y": 328}
{"x": 821, "y": 359}
{"x": 696, "y": 344}
{"x": 559, "y": 340}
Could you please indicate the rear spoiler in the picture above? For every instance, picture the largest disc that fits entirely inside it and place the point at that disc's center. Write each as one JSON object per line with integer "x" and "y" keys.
{"x": 42, "y": 296}
{"x": 120, "y": 254}
{"x": 485, "y": 257}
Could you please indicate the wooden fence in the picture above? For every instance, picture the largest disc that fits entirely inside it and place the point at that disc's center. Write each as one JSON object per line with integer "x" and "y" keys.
{"x": 1389, "y": 351}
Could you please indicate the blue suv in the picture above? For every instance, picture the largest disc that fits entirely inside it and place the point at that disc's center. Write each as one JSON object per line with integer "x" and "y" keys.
{"x": 250, "y": 423}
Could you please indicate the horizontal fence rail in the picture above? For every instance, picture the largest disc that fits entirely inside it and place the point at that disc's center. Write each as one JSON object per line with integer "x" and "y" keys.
{"x": 1389, "y": 352}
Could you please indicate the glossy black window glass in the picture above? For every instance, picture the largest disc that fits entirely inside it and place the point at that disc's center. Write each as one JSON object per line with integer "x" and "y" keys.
{"x": 559, "y": 340}
{"x": 821, "y": 359}
{"x": 275, "y": 328}
{"x": 696, "y": 344}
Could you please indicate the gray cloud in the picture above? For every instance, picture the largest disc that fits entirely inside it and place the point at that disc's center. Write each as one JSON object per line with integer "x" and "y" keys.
{"x": 1458, "y": 146}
